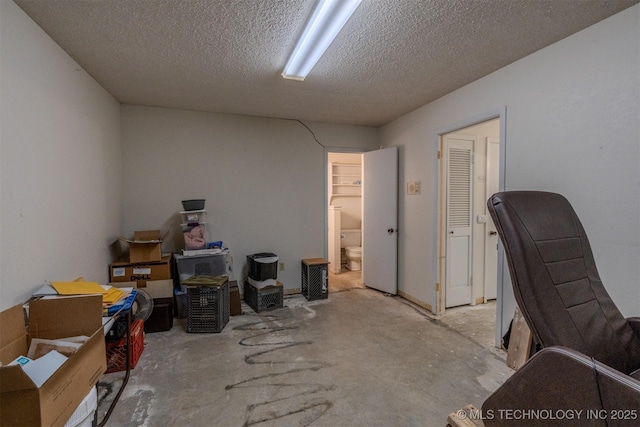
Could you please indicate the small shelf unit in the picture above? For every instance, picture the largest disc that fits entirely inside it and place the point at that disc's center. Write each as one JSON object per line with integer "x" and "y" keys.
{"x": 346, "y": 180}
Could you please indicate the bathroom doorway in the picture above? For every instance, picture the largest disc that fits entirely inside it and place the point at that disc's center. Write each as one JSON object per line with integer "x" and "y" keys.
{"x": 344, "y": 230}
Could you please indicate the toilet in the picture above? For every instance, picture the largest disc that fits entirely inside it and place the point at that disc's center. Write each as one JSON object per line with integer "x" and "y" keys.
{"x": 350, "y": 241}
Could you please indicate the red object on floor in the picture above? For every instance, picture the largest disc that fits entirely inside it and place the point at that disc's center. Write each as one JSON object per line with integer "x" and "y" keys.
{"x": 116, "y": 351}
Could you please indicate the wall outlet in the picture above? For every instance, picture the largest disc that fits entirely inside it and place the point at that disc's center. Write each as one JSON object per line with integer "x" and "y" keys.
{"x": 281, "y": 266}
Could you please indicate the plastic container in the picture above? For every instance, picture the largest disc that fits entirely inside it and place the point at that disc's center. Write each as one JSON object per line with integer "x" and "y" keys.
{"x": 263, "y": 266}
{"x": 117, "y": 351}
{"x": 197, "y": 265}
{"x": 84, "y": 414}
{"x": 193, "y": 216}
{"x": 195, "y": 235}
{"x": 193, "y": 204}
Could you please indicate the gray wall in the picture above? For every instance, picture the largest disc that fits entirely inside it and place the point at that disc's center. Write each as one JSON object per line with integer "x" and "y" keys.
{"x": 60, "y": 164}
{"x": 264, "y": 180}
{"x": 572, "y": 127}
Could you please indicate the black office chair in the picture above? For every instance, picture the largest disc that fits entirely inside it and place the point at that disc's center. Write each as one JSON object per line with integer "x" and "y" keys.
{"x": 590, "y": 357}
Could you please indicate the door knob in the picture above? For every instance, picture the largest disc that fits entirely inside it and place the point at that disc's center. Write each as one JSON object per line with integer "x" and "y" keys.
{"x": 493, "y": 233}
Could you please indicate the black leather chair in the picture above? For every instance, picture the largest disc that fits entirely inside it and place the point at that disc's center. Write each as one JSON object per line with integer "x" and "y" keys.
{"x": 590, "y": 357}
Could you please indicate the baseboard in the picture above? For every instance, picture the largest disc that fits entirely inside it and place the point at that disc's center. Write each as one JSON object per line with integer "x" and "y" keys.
{"x": 416, "y": 301}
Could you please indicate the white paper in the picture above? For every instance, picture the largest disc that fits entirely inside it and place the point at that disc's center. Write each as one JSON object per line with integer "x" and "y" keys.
{"x": 45, "y": 290}
{"x": 40, "y": 370}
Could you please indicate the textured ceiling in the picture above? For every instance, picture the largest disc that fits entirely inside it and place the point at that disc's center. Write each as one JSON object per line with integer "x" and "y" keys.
{"x": 226, "y": 56}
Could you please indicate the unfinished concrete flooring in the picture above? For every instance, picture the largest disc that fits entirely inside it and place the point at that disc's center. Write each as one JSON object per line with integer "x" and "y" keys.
{"x": 359, "y": 358}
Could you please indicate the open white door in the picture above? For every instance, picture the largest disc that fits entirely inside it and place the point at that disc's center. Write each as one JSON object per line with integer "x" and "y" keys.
{"x": 380, "y": 220}
{"x": 459, "y": 205}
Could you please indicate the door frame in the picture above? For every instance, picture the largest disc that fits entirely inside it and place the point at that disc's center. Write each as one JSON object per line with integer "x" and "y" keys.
{"x": 439, "y": 221}
{"x": 488, "y": 221}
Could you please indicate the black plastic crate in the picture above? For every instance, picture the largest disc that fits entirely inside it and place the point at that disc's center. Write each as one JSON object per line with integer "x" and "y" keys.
{"x": 263, "y": 266}
{"x": 208, "y": 308}
{"x": 315, "y": 278}
{"x": 267, "y": 298}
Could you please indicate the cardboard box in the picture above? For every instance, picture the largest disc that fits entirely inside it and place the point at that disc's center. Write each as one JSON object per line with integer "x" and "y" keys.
{"x": 56, "y": 400}
{"x": 125, "y": 271}
{"x": 159, "y": 288}
{"x": 161, "y": 318}
{"x": 146, "y": 246}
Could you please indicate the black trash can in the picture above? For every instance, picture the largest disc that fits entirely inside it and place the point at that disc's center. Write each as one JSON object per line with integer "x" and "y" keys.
{"x": 263, "y": 266}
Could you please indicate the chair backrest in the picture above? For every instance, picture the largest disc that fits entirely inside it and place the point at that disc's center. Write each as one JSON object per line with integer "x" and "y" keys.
{"x": 555, "y": 280}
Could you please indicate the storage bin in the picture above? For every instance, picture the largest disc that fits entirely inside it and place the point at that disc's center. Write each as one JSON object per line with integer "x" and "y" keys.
{"x": 268, "y": 298}
{"x": 161, "y": 318}
{"x": 202, "y": 265}
{"x": 263, "y": 266}
{"x": 116, "y": 352}
{"x": 208, "y": 303}
{"x": 195, "y": 235}
{"x": 315, "y": 278}
{"x": 193, "y": 204}
{"x": 189, "y": 217}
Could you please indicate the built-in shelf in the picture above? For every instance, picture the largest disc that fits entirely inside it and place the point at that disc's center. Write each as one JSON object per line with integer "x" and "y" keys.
{"x": 346, "y": 180}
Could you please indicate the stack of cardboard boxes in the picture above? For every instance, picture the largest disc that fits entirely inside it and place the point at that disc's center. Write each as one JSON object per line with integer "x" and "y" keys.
{"x": 147, "y": 269}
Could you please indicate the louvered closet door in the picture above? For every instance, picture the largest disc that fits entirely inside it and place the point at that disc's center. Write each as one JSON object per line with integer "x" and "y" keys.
{"x": 459, "y": 164}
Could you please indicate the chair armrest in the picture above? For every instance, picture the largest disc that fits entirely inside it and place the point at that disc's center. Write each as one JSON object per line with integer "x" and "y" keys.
{"x": 562, "y": 387}
{"x": 634, "y": 322}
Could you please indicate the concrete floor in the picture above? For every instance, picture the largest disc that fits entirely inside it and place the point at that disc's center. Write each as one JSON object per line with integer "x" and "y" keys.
{"x": 360, "y": 358}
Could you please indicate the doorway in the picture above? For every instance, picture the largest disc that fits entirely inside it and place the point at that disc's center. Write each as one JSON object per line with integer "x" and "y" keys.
{"x": 470, "y": 172}
{"x": 344, "y": 196}
{"x": 368, "y": 232}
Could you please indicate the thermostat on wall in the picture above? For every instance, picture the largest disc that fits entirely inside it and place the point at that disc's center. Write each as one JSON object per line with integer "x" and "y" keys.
{"x": 413, "y": 187}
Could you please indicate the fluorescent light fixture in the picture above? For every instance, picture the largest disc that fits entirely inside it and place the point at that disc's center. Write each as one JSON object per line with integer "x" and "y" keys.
{"x": 326, "y": 22}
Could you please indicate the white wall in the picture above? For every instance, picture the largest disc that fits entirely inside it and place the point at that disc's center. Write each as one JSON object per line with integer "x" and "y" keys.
{"x": 263, "y": 180}
{"x": 60, "y": 164}
{"x": 572, "y": 127}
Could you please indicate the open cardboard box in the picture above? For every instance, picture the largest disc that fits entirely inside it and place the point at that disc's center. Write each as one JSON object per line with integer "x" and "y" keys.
{"x": 56, "y": 400}
{"x": 146, "y": 246}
